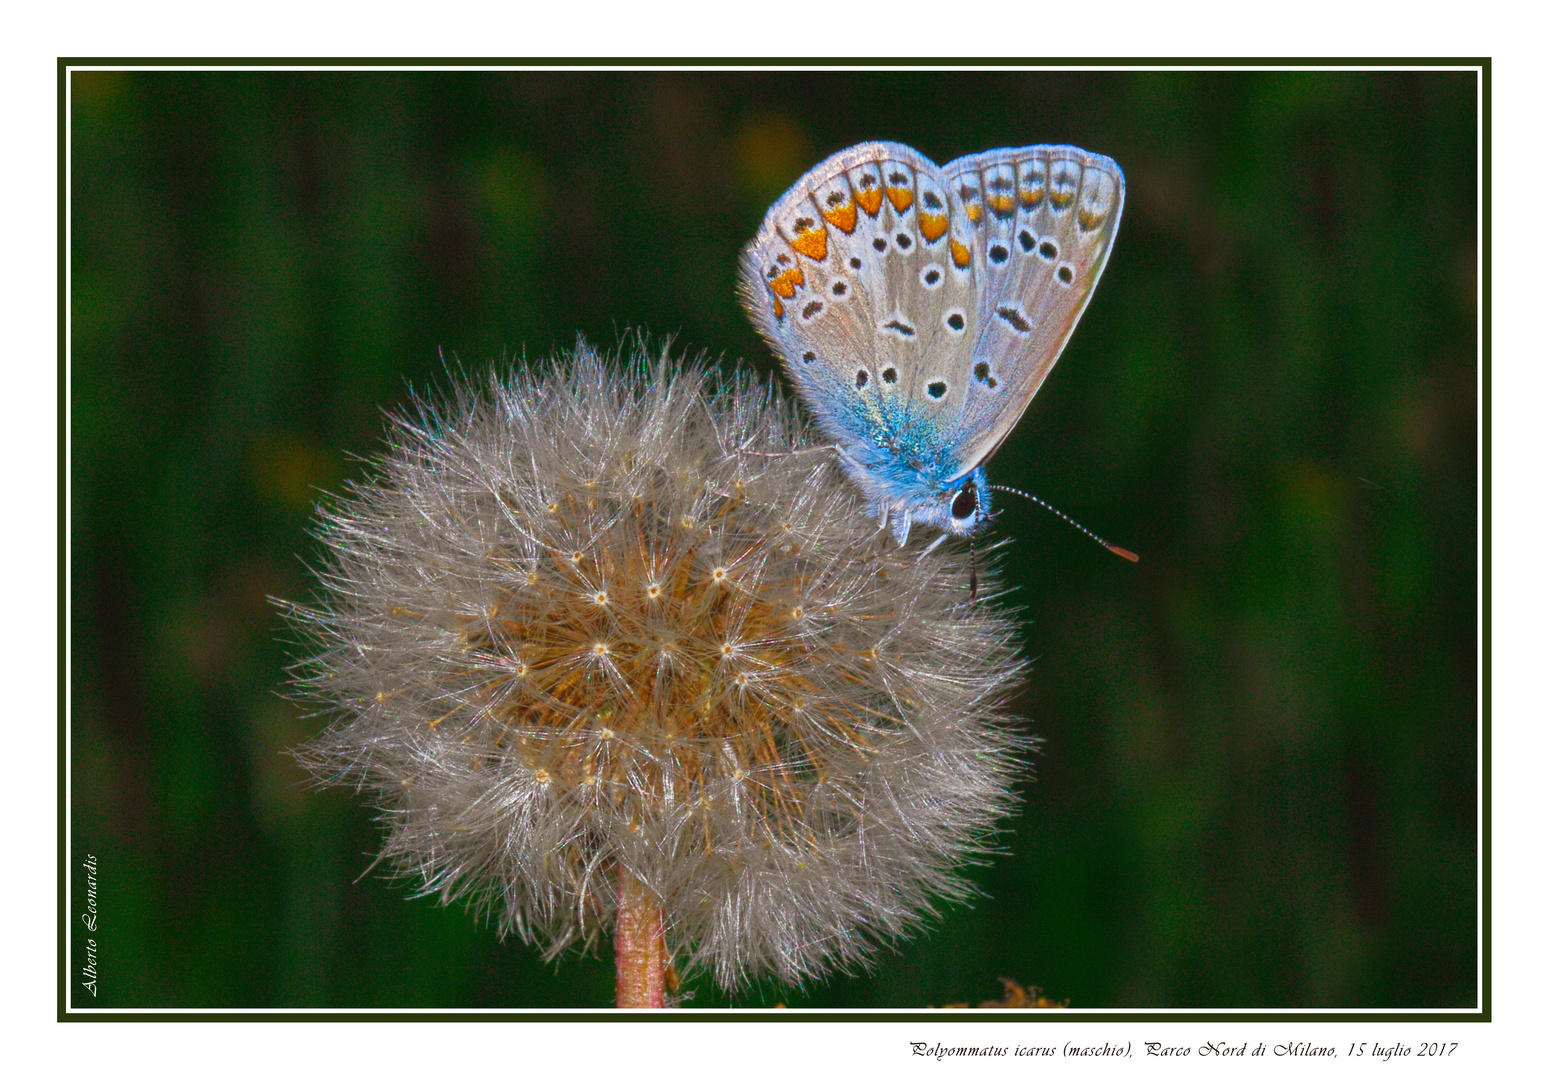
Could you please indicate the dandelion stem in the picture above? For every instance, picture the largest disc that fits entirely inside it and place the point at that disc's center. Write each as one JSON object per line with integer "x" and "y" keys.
{"x": 640, "y": 946}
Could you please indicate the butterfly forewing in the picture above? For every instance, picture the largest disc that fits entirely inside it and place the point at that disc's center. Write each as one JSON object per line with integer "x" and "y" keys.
{"x": 1043, "y": 222}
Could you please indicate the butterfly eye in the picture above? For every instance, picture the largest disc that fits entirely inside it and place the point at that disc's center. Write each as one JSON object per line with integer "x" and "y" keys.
{"x": 966, "y": 503}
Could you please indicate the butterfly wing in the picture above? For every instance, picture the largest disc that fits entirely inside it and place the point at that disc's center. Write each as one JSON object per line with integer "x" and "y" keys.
{"x": 852, "y": 281}
{"x": 1043, "y": 221}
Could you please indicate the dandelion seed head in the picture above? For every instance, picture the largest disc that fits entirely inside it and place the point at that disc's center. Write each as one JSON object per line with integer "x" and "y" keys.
{"x": 590, "y": 618}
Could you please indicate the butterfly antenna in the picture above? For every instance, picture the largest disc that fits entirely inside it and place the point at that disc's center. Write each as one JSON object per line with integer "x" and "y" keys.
{"x": 1123, "y": 553}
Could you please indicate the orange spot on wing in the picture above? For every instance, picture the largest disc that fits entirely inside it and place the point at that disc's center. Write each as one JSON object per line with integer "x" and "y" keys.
{"x": 960, "y": 255}
{"x": 779, "y": 309}
{"x": 901, "y": 198}
{"x": 932, "y": 226}
{"x": 785, "y": 284}
{"x": 974, "y": 211}
{"x": 870, "y": 200}
{"x": 1001, "y": 204}
{"x": 842, "y": 217}
{"x": 1031, "y": 197}
{"x": 813, "y": 243}
{"x": 1061, "y": 199}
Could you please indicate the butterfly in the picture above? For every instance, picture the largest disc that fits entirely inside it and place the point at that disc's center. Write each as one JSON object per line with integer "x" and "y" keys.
{"x": 919, "y": 308}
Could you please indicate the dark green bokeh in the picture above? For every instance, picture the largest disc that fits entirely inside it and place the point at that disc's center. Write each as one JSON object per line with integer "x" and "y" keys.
{"x": 1258, "y": 785}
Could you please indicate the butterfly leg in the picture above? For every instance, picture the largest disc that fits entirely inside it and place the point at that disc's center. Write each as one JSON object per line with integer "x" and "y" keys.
{"x": 934, "y": 544}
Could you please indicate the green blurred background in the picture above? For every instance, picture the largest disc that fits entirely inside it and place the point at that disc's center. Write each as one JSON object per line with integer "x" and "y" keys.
{"x": 1258, "y": 781}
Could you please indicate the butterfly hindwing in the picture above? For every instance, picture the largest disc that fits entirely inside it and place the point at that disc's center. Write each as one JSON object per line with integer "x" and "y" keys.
{"x": 849, "y": 280}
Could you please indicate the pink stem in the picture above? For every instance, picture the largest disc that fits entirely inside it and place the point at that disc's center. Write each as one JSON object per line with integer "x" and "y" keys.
{"x": 640, "y": 946}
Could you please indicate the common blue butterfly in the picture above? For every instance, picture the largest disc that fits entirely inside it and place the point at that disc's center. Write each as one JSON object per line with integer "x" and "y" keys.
{"x": 918, "y": 308}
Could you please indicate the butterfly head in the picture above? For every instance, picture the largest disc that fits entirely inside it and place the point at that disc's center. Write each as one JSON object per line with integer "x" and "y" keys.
{"x": 962, "y": 507}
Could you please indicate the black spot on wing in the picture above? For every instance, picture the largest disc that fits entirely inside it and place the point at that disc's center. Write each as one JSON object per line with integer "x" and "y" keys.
{"x": 1013, "y": 318}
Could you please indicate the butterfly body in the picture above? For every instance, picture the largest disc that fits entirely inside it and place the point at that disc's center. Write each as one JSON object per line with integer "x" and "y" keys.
{"x": 905, "y": 465}
{"x": 918, "y": 309}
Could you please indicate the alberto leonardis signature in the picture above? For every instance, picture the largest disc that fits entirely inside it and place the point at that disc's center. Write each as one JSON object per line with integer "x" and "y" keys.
{"x": 89, "y": 917}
